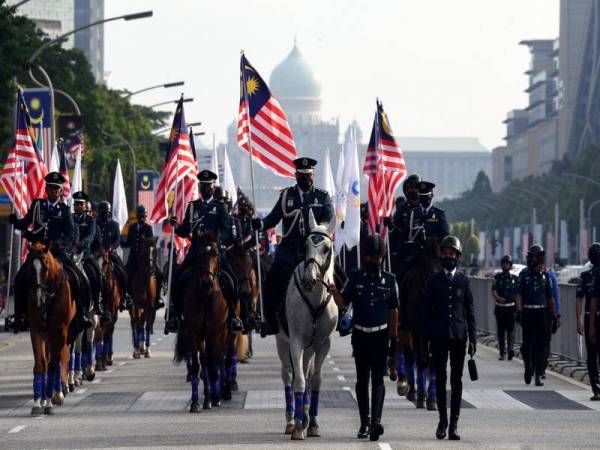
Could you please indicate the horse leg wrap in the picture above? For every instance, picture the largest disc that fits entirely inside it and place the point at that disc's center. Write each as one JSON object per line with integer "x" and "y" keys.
{"x": 401, "y": 365}
{"x": 314, "y": 404}
{"x": 141, "y": 337}
{"x": 411, "y": 374}
{"x": 205, "y": 382}
{"x": 109, "y": 345}
{"x": 57, "y": 379}
{"x": 45, "y": 387}
{"x": 136, "y": 339}
{"x": 38, "y": 380}
{"x": 194, "y": 388}
{"x": 431, "y": 392}
{"x": 147, "y": 334}
{"x": 71, "y": 362}
{"x": 289, "y": 400}
{"x": 299, "y": 406}
{"x": 420, "y": 382}
{"x": 99, "y": 349}
{"x": 233, "y": 368}
{"x": 79, "y": 359}
{"x": 49, "y": 385}
{"x": 306, "y": 394}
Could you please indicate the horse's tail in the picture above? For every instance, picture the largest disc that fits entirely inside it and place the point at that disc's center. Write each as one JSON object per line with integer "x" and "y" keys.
{"x": 181, "y": 347}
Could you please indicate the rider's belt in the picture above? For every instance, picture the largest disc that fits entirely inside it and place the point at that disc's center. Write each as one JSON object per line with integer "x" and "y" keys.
{"x": 534, "y": 306}
{"x": 371, "y": 329}
{"x": 508, "y": 304}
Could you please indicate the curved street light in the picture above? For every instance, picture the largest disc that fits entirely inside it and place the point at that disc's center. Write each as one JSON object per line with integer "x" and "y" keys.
{"x": 163, "y": 130}
{"x": 170, "y": 102}
{"x": 156, "y": 86}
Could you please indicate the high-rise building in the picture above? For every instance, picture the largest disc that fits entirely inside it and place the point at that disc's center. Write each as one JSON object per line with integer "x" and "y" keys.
{"x": 91, "y": 41}
{"x": 52, "y": 17}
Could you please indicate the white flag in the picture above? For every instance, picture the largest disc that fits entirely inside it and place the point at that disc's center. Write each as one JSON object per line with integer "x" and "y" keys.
{"x": 352, "y": 183}
{"x": 76, "y": 184}
{"x": 328, "y": 181}
{"x": 214, "y": 163}
{"x": 228, "y": 181}
{"x": 339, "y": 203}
{"x": 54, "y": 165}
{"x": 119, "y": 213}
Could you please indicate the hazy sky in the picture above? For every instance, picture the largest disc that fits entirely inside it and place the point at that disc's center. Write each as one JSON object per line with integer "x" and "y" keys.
{"x": 441, "y": 67}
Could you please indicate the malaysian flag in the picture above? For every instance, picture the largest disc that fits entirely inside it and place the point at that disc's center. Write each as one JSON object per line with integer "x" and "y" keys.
{"x": 23, "y": 174}
{"x": 262, "y": 120}
{"x": 64, "y": 170}
{"x": 145, "y": 188}
{"x": 179, "y": 163}
{"x": 385, "y": 167}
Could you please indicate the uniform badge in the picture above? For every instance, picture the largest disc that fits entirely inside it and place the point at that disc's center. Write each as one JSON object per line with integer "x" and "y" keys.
{"x": 383, "y": 281}
{"x": 290, "y": 202}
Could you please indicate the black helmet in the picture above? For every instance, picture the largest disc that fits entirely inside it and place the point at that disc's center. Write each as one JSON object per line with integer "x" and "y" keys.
{"x": 506, "y": 259}
{"x": 412, "y": 180}
{"x": 594, "y": 253}
{"x": 374, "y": 246}
{"x": 141, "y": 210}
{"x": 452, "y": 242}
{"x": 104, "y": 207}
{"x": 536, "y": 250}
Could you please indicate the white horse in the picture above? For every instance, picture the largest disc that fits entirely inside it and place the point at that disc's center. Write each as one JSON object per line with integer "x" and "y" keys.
{"x": 312, "y": 317}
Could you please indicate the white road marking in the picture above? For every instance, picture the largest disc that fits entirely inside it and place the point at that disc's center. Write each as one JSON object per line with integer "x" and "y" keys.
{"x": 97, "y": 380}
{"x": 336, "y": 369}
{"x": 80, "y": 391}
{"x": 328, "y": 356}
{"x": 331, "y": 361}
{"x": 109, "y": 371}
{"x": 17, "y": 429}
{"x": 122, "y": 363}
{"x": 159, "y": 339}
{"x": 346, "y": 388}
{"x": 493, "y": 399}
{"x": 385, "y": 446}
{"x": 581, "y": 397}
{"x": 153, "y": 344}
{"x": 341, "y": 377}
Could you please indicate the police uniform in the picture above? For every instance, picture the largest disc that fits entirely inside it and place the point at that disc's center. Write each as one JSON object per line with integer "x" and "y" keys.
{"x": 505, "y": 286}
{"x": 292, "y": 209}
{"x": 449, "y": 321}
{"x": 372, "y": 297}
{"x": 535, "y": 291}
{"x": 587, "y": 289}
{"x": 433, "y": 218}
{"x": 406, "y": 237}
{"x": 136, "y": 236}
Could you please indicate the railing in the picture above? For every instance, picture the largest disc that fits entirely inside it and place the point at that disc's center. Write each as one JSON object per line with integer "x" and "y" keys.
{"x": 565, "y": 342}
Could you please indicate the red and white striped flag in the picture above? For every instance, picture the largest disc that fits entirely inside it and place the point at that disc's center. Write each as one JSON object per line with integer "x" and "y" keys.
{"x": 179, "y": 163}
{"x": 64, "y": 171}
{"x": 261, "y": 116}
{"x": 385, "y": 167}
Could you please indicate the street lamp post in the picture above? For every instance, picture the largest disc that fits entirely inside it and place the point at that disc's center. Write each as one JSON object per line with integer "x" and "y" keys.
{"x": 133, "y": 165}
{"x": 156, "y": 86}
{"x": 185, "y": 100}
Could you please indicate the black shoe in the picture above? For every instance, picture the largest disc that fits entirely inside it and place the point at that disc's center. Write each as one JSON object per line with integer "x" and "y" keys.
{"x": 527, "y": 377}
{"x": 411, "y": 396}
{"x": 440, "y": 433}
{"x": 538, "y": 381}
{"x": 431, "y": 404}
{"x": 375, "y": 431}
{"x": 511, "y": 355}
{"x": 364, "y": 430}
{"x": 501, "y": 357}
{"x": 595, "y": 397}
{"x": 420, "y": 403}
{"x": 452, "y": 434}
{"x": 172, "y": 325}
{"x": 543, "y": 376}
{"x": 236, "y": 325}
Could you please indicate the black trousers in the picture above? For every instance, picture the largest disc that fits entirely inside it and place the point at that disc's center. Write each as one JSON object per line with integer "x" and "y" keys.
{"x": 505, "y": 324}
{"x": 440, "y": 349}
{"x": 593, "y": 356}
{"x": 370, "y": 356}
{"x": 534, "y": 323}
{"x": 276, "y": 284}
{"x": 549, "y": 324}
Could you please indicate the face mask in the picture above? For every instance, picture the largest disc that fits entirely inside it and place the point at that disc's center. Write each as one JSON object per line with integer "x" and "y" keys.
{"x": 595, "y": 260}
{"x": 304, "y": 183}
{"x": 372, "y": 267}
{"x": 206, "y": 192}
{"x": 448, "y": 263}
{"x": 426, "y": 201}
{"x": 412, "y": 196}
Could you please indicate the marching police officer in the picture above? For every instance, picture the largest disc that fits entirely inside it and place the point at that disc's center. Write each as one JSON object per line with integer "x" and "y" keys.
{"x": 136, "y": 235}
{"x": 434, "y": 219}
{"x": 86, "y": 232}
{"x": 108, "y": 236}
{"x": 373, "y": 294}
{"x": 450, "y": 321}
{"x": 206, "y": 214}
{"x": 504, "y": 291}
{"x": 534, "y": 301}
{"x": 292, "y": 209}
{"x": 52, "y": 223}
{"x": 585, "y": 290}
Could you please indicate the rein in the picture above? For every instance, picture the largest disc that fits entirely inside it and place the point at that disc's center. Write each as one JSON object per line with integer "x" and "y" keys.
{"x": 315, "y": 313}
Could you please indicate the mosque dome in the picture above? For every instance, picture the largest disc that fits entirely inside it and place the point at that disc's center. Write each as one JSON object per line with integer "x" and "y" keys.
{"x": 294, "y": 78}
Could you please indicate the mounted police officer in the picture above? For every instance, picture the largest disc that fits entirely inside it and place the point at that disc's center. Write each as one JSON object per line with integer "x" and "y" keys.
{"x": 585, "y": 290}
{"x": 136, "y": 235}
{"x": 85, "y": 226}
{"x": 108, "y": 236}
{"x": 504, "y": 291}
{"x": 373, "y": 294}
{"x": 232, "y": 235}
{"x": 292, "y": 209}
{"x": 433, "y": 218}
{"x": 450, "y": 321}
{"x": 51, "y": 224}
{"x": 206, "y": 214}
{"x": 534, "y": 301}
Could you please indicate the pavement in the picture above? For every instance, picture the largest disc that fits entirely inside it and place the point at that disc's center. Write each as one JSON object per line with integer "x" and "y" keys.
{"x": 143, "y": 404}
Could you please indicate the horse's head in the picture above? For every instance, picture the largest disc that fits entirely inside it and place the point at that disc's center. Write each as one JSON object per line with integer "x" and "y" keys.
{"x": 206, "y": 259}
{"x": 46, "y": 267}
{"x": 431, "y": 255}
{"x": 240, "y": 260}
{"x": 318, "y": 263}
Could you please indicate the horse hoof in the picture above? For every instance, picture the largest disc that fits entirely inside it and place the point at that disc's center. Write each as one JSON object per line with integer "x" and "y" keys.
{"x": 226, "y": 394}
{"x": 58, "y": 398}
{"x": 136, "y": 355}
{"x": 147, "y": 353}
{"x": 109, "y": 362}
{"x": 289, "y": 428}
{"x": 77, "y": 382}
{"x": 234, "y": 386}
{"x": 71, "y": 387}
{"x": 37, "y": 411}
{"x": 298, "y": 433}
{"x": 313, "y": 431}
{"x": 194, "y": 407}
{"x": 49, "y": 411}
{"x": 206, "y": 404}
{"x": 90, "y": 376}
{"x": 66, "y": 389}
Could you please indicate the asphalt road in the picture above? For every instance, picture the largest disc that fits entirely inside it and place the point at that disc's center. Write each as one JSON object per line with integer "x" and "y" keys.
{"x": 142, "y": 404}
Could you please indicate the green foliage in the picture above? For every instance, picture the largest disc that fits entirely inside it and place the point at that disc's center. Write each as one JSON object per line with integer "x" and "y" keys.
{"x": 471, "y": 248}
{"x": 104, "y": 110}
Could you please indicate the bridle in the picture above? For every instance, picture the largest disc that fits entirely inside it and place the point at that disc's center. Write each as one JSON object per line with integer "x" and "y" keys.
{"x": 316, "y": 237}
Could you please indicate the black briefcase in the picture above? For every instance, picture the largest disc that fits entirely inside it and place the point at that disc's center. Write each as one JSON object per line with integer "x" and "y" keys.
{"x": 472, "y": 369}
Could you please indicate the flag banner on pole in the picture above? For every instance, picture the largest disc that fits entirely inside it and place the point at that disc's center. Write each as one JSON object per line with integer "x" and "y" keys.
{"x": 119, "y": 213}
{"x": 272, "y": 141}
{"x": 228, "y": 181}
{"x": 64, "y": 171}
{"x": 54, "y": 164}
{"x": 179, "y": 162}
{"x": 23, "y": 174}
{"x": 385, "y": 167}
{"x": 146, "y": 184}
{"x": 70, "y": 130}
{"x": 77, "y": 183}
{"x": 39, "y": 106}
{"x": 340, "y": 201}
{"x": 352, "y": 186}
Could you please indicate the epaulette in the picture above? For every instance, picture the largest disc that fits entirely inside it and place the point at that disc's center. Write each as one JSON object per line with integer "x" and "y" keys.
{"x": 439, "y": 209}
{"x": 322, "y": 191}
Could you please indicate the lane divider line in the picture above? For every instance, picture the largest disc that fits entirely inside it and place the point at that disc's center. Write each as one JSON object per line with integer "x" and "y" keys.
{"x": 341, "y": 377}
{"x": 80, "y": 391}
{"x": 336, "y": 369}
{"x": 17, "y": 429}
{"x": 385, "y": 446}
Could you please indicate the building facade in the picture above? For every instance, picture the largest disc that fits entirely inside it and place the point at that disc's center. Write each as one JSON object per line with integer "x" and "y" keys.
{"x": 52, "y": 17}
{"x": 91, "y": 41}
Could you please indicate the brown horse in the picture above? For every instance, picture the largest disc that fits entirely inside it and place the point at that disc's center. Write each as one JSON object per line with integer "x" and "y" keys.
{"x": 204, "y": 332}
{"x": 111, "y": 296}
{"x": 144, "y": 287}
{"x": 50, "y": 310}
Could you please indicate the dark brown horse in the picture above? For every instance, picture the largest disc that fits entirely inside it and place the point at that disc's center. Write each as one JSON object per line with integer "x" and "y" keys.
{"x": 145, "y": 290}
{"x": 50, "y": 310}
{"x": 111, "y": 296}
{"x": 204, "y": 333}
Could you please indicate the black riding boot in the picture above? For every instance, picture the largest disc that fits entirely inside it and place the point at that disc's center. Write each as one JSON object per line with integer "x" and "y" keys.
{"x": 377, "y": 397}
{"x": 173, "y": 323}
{"x": 440, "y": 433}
{"x": 453, "y": 428}
{"x": 362, "y": 398}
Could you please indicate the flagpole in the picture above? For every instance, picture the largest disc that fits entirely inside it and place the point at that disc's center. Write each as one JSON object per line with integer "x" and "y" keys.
{"x": 257, "y": 243}
{"x": 380, "y": 167}
{"x": 12, "y": 241}
{"x": 172, "y": 248}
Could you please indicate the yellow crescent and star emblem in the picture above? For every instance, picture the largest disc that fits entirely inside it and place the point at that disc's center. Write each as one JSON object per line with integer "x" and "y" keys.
{"x": 385, "y": 124}
{"x": 145, "y": 184}
{"x": 252, "y": 85}
{"x": 36, "y": 105}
